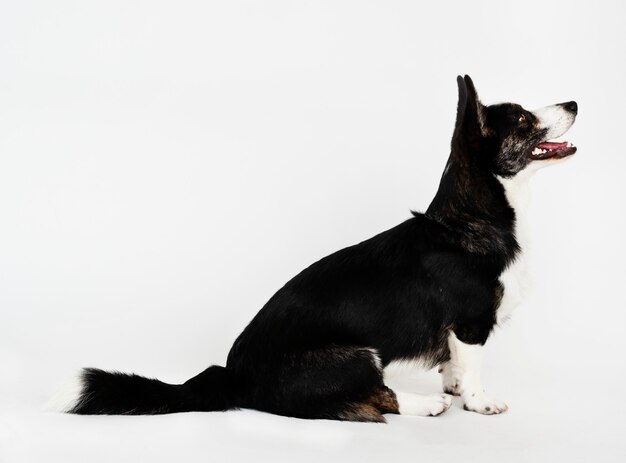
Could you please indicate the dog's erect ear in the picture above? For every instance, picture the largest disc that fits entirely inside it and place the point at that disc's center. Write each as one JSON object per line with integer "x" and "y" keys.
{"x": 460, "y": 109}
{"x": 470, "y": 115}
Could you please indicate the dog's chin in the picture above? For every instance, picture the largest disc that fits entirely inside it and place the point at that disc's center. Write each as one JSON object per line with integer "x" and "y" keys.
{"x": 552, "y": 151}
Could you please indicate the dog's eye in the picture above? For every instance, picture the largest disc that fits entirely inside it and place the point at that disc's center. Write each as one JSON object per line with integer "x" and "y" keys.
{"x": 521, "y": 118}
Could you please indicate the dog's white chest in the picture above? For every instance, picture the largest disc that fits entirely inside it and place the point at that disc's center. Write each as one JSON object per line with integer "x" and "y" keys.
{"x": 516, "y": 278}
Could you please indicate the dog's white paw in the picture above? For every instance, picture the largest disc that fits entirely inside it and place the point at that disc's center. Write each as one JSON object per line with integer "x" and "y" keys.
{"x": 480, "y": 403}
{"x": 451, "y": 375}
{"x": 423, "y": 405}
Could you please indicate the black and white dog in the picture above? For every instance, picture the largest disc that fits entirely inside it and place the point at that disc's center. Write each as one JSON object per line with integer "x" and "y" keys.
{"x": 430, "y": 289}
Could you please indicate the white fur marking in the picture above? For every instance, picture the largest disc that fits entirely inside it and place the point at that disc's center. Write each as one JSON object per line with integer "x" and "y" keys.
{"x": 451, "y": 376}
{"x": 68, "y": 396}
{"x": 422, "y": 405}
{"x": 555, "y": 118}
{"x": 516, "y": 277}
{"x": 469, "y": 358}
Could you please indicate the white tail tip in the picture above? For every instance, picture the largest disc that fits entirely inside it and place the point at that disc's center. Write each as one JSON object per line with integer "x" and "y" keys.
{"x": 68, "y": 396}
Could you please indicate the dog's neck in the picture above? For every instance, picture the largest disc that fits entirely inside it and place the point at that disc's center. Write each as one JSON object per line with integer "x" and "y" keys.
{"x": 472, "y": 203}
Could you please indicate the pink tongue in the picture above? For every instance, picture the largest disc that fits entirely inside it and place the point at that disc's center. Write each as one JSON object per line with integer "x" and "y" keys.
{"x": 552, "y": 145}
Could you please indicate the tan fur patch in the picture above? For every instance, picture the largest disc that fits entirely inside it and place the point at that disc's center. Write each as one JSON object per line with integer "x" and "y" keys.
{"x": 372, "y": 408}
{"x": 385, "y": 400}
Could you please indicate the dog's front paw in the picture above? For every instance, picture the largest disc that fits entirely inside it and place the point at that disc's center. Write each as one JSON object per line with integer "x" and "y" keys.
{"x": 451, "y": 378}
{"x": 480, "y": 403}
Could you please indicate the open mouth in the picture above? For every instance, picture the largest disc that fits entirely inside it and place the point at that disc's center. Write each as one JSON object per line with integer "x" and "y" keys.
{"x": 553, "y": 150}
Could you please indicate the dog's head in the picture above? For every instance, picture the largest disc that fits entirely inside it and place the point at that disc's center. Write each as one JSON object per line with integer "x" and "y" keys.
{"x": 506, "y": 138}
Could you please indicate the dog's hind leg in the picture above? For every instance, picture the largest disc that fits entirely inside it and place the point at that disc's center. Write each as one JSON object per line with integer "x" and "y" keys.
{"x": 385, "y": 400}
{"x": 336, "y": 382}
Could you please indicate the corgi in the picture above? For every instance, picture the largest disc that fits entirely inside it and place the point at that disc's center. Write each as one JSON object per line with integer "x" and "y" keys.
{"x": 430, "y": 290}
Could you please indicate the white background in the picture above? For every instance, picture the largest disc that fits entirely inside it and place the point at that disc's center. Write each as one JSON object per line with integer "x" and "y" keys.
{"x": 166, "y": 166}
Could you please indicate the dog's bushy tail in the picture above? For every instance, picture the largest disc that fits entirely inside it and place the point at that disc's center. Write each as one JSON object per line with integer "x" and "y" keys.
{"x": 99, "y": 392}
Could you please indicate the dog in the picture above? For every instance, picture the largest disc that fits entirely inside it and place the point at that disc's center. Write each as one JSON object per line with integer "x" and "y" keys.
{"x": 431, "y": 289}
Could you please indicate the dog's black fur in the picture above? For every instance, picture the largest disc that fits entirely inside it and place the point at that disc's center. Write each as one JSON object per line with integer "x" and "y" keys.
{"x": 316, "y": 349}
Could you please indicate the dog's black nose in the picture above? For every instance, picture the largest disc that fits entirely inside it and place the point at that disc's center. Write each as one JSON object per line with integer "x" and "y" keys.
{"x": 571, "y": 106}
